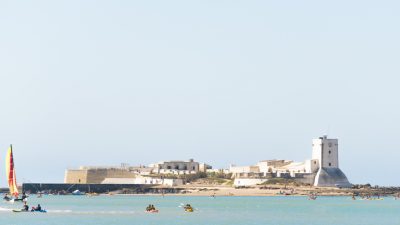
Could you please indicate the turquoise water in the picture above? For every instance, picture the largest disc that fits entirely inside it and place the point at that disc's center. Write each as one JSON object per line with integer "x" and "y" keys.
{"x": 107, "y": 210}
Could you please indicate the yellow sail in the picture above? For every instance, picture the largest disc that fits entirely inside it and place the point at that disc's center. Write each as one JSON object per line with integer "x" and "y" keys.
{"x": 11, "y": 178}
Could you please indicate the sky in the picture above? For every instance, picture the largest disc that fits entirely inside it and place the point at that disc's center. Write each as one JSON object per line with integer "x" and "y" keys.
{"x": 224, "y": 82}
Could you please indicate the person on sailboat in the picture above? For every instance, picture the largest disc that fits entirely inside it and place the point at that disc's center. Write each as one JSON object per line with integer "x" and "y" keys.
{"x": 26, "y": 207}
{"x": 24, "y": 196}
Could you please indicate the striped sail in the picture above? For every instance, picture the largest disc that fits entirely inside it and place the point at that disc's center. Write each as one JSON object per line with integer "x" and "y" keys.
{"x": 11, "y": 178}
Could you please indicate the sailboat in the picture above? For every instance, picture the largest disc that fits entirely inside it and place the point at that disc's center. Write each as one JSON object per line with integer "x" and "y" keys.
{"x": 11, "y": 178}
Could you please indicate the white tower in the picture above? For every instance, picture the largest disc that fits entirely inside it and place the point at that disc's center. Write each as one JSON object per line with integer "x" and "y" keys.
{"x": 326, "y": 152}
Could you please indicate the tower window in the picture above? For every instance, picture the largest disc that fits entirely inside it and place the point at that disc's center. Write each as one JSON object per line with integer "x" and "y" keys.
{"x": 330, "y": 164}
{"x": 329, "y": 152}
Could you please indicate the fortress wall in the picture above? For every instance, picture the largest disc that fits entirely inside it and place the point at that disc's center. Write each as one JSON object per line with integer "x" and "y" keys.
{"x": 305, "y": 178}
{"x": 95, "y": 176}
{"x": 75, "y": 176}
{"x": 115, "y": 173}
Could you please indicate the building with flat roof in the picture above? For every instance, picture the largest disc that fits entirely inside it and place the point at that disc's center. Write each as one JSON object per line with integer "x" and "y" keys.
{"x": 132, "y": 174}
{"x": 179, "y": 167}
{"x": 321, "y": 170}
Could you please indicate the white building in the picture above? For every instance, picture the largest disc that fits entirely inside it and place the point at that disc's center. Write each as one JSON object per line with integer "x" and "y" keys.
{"x": 179, "y": 167}
{"x": 321, "y": 170}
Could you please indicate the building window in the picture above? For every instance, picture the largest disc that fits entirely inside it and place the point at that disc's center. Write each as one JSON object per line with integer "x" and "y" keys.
{"x": 194, "y": 168}
{"x": 177, "y": 167}
{"x": 315, "y": 162}
{"x": 330, "y": 164}
{"x": 329, "y": 152}
{"x": 168, "y": 167}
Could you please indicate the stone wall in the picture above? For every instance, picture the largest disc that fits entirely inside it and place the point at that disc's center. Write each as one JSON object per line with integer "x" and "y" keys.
{"x": 75, "y": 176}
{"x": 305, "y": 178}
{"x": 95, "y": 176}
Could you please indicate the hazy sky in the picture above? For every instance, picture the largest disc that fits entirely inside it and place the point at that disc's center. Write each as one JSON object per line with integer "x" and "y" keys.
{"x": 105, "y": 82}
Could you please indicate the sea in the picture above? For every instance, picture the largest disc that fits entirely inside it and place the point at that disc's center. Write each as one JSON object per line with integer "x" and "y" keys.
{"x": 230, "y": 210}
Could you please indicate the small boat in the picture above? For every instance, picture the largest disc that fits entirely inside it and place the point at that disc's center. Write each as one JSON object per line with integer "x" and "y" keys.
{"x": 21, "y": 210}
{"x": 189, "y": 210}
{"x": 77, "y": 192}
{"x": 152, "y": 211}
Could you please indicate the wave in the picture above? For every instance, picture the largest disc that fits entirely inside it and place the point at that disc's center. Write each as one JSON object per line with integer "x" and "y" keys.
{"x": 5, "y": 209}
{"x": 67, "y": 211}
{"x": 59, "y": 211}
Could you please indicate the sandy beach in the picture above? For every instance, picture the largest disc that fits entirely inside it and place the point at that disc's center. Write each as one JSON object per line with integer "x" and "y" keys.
{"x": 270, "y": 190}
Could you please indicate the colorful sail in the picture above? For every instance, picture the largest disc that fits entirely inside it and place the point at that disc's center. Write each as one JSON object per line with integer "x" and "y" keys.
{"x": 11, "y": 178}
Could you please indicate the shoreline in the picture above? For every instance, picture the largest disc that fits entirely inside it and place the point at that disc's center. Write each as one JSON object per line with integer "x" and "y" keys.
{"x": 223, "y": 190}
{"x": 265, "y": 191}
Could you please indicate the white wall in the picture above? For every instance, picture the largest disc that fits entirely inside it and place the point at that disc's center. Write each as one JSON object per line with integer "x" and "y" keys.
{"x": 144, "y": 180}
{"x": 248, "y": 181}
{"x": 244, "y": 169}
{"x": 326, "y": 152}
{"x": 312, "y": 166}
{"x": 172, "y": 182}
{"x": 263, "y": 166}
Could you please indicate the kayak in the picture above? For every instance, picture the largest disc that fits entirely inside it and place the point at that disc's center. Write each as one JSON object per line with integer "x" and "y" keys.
{"x": 189, "y": 210}
{"x": 20, "y": 210}
{"x": 152, "y": 211}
